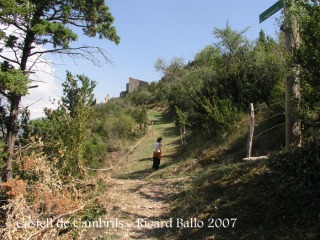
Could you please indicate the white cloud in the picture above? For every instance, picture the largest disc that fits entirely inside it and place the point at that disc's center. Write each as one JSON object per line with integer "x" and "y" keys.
{"x": 39, "y": 98}
{"x": 43, "y": 76}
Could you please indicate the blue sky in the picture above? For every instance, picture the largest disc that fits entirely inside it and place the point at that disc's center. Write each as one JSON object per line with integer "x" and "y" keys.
{"x": 152, "y": 29}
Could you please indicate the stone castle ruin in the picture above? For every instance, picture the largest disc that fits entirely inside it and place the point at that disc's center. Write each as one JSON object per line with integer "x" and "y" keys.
{"x": 132, "y": 86}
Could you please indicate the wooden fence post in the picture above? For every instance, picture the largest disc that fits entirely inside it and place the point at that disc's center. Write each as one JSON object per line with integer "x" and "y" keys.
{"x": 250, "y": 138}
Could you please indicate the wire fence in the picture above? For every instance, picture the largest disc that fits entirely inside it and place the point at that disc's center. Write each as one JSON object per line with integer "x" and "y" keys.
{"x": 251, "y": 131}
{"x": 273, "y": 116}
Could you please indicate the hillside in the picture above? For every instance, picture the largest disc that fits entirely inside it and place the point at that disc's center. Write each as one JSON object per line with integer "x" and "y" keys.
{"x": 209, "y": 192}
{"x": 136, "y": 196}
{"x": 83, "y": 171}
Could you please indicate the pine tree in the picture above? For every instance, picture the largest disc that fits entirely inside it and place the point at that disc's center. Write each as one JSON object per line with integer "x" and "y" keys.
{"x": 50, "y": 24}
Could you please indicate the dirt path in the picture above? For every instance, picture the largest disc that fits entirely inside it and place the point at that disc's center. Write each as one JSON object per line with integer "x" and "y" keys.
{"x": 141, "y": 208}
{"x": 138, "y": 200}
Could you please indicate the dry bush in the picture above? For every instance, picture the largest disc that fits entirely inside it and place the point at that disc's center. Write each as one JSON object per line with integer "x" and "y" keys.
{"x": 23, "y": 222}
{"x": 28, "y": 163}
{"x": 15, "y": 188}
{"x": 54, "y": 201}
{"x": 39, "y": 199}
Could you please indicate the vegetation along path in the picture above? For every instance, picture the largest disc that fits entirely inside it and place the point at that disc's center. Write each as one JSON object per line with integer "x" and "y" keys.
{"x": 137, "y": 200}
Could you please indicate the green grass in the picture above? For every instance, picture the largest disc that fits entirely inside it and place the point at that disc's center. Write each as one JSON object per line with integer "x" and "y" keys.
{"x": 139, "y": 162}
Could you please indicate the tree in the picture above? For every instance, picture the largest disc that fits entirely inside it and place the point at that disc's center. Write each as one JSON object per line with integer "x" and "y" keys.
{"x": 172, "y": 72}
{"x": 27, "y": 26}
{"x": 233, "y": 65}
{"x": 64, "y": 130}
{"x": 307, "y": 57}
{"x": 181, "y": 119}
{"x": 292, "y": 84}
{"x": 71, "y": 121}
{"x": 231, "y": 41}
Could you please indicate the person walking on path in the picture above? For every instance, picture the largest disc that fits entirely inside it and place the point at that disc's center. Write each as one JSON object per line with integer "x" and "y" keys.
{"x": 157, "y": 153}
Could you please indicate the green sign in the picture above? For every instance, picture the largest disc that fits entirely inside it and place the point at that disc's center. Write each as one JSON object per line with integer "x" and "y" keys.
{"x": 270, "y": 11}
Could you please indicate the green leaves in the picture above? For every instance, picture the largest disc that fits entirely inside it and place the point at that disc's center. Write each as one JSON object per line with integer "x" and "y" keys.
{"x": 14, "y": 81}
{"x": 181, "y": 117}
{"x": 97, "y": 18}
{"x": 222, "y": 112}
{"x": 65, "y": 129}
{"x": 307, "y": 57}
{"x": 12, "y": 8}
{"x": 231, "y": 41}
{"x": 60, "y": 35}
{"x": 309, "y": 51}
{"x": 46, "y": 20}
{"x": 75, "y": 96}
{"x": 30, "y": 23}
{"x": 210, "y": 92}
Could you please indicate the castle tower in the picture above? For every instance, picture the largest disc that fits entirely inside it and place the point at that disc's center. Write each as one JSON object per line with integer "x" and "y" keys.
{"x": 106, "y": 99}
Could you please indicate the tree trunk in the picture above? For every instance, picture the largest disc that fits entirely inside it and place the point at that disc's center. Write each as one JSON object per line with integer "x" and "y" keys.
{"x": 11, "y": 134}
{"x": 183, "y": 134}
{"x": 293, "y": 122}
{"x": 292, "y": 84}
{"x": 14, "y": 99}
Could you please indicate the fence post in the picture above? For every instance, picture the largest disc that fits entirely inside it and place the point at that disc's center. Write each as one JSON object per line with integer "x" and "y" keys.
{"x": 250, "y": 138}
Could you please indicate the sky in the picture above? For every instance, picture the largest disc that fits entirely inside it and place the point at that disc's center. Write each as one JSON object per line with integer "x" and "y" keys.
{"x": 152, "y": 29}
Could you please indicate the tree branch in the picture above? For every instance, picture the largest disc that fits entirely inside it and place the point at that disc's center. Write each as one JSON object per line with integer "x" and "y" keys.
{"x": 34, "y": 62}
{"x": 34, "y": 102}
{"x": 53, "y": 15}
{"x": 8, "y": 59}
{"x": 78, "y": 25}
{"x": 10, "y": 22}
{"x": 15, "y": 54}
{"x": 86, "y": 52}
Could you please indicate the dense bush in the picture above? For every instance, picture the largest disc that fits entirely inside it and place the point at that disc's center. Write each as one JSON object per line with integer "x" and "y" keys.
{"x": 214, "y": 89}
{"x": 307, "y": 57}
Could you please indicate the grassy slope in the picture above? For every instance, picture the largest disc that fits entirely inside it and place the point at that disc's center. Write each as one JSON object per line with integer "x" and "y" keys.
{"x": 277, "y": 198}
{"x": 139, "y": 162}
